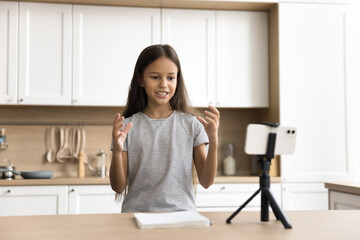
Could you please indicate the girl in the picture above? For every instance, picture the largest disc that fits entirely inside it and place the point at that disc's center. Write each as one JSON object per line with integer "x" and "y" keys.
{"x": 156, "y": 139}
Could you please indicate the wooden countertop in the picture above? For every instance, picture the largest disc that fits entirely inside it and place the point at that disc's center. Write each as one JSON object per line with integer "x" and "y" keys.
{"x": 346, "y": 187}
{"x": 328, "y": 225}
{"x": 105, "y": 181}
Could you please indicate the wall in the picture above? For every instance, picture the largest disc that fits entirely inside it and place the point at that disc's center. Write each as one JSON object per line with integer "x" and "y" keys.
{"x": 28, "y": 126}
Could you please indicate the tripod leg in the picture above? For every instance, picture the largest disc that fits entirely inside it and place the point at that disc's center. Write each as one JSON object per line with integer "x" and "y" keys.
{"x": 264, "y": 208}
{"x": 275, "y": 207}
{"x": 241, "y": 207}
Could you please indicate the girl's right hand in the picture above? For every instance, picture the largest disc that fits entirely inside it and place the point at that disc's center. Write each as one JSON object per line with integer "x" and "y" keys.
{"x": 118, "y": 135}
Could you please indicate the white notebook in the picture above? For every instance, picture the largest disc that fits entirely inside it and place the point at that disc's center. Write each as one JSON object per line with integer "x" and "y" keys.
{"x": 171, "y": 220}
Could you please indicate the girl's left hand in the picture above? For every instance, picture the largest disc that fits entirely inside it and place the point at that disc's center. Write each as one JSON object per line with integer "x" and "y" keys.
{"x": 211, "y": 123}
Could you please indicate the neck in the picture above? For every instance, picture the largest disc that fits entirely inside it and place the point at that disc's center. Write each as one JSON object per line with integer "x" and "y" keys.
{"x": 158, "y": 112}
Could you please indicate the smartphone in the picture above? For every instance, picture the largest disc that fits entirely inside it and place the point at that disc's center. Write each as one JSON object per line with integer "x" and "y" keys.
{"x": 257, "y": 139}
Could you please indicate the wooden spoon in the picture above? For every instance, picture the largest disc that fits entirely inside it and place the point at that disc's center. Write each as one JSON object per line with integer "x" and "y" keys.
{"x": 66, "y": 151}
{"x": 51, "y": 155}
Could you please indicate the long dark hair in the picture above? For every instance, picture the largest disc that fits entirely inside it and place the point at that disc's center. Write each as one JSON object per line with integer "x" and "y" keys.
{"x": 137, "y": 98}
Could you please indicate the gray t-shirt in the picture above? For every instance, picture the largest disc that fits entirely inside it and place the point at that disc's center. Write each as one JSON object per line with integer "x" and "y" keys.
{"x": 160, "y": 155}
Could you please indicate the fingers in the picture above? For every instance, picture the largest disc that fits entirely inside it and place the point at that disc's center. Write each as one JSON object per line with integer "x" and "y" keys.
{"x": 202, "y": 120}
{"x": 118, "y": 124}
{"x": 117, "y": 121}
{"x": 214, "y": 112}
{"x": 127, "y": 128}
{"x": 213, "y": 115}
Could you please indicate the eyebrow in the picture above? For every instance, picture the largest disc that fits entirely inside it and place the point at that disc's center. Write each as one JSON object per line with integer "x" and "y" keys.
{"x": 159, "y": 73}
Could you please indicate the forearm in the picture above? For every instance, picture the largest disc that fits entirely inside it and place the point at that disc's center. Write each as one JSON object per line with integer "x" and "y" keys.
{"x": 208, "y": 171}
{"x": 117, "y": 172}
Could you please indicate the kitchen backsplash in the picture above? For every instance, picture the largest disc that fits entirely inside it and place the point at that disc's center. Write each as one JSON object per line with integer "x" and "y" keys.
{"x": 27, "y": 142}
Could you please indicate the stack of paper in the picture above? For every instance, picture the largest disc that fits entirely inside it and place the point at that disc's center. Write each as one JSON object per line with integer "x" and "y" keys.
{"x": 171, "y": 220}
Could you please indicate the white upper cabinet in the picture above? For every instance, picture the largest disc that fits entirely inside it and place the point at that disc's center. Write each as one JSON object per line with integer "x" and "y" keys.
{"x": 242, "y": 59}
{"x": 45, "y": 54}
{"x": 107, "y": 42}
{"x": 192, "y": 34}
{"x": 313, "y": 82}
{"x": 85, "y": 55}
{"x": 224, "y": 55}
{"x": 8, "y": 52}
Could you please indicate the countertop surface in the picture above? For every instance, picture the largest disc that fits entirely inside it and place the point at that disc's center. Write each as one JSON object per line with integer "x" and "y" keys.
{"x": 105, "y": 181}
{"x": 347, "y": 187}
{"x": 337, "y": 224}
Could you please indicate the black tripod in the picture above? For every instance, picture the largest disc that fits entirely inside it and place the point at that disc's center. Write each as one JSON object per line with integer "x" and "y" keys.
{"x": 264, "y": 162}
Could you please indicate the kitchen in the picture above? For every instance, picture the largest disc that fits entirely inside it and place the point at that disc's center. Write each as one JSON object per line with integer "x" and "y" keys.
{"x": 298, "y": 182}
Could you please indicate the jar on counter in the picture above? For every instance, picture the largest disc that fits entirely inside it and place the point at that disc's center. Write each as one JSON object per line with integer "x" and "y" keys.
{"x": 229, "y": 160}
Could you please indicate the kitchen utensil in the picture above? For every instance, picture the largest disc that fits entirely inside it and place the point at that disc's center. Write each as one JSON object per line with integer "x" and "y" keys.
{"x": 51, "y": 154}
{"x": 65, "y": 152}
{"x": 100, "y": 168}
{"x": 83, "y": 143}
{"x": 7, "y": 170}
{"x": 77, "y": 142}
{"x": 31, "y": 174}
{"x": 61, "y": 140}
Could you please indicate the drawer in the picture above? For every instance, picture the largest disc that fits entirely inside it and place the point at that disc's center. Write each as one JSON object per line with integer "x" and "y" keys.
{"x": 232, "y": 195}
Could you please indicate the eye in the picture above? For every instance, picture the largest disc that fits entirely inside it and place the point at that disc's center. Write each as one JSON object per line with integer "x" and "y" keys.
{"x": 171, "y": 78}
{"x": 154, "y": 77}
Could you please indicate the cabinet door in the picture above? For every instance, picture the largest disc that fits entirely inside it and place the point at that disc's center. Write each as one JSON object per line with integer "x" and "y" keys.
{"x": 87, "y": 199}
{"x": 343, "y": 201}
{"x": 304, "y": 196}
{"x": 312, "y": 91}
{"x": 192, "y": 34}
{"x": 107, "y": 43}
{"x": 44, "y": 54}
{"x": 8, "y": 52}
{"x": 33, "y": 200}
{"x": 229, "y": 197}
{"x": 242, "y": 77}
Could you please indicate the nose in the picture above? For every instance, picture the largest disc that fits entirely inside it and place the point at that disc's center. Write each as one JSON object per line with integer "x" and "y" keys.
{"x": 163, "y": 82}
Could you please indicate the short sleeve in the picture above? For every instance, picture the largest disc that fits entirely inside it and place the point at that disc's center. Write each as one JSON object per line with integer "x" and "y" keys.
{"x": 200, "y": 136}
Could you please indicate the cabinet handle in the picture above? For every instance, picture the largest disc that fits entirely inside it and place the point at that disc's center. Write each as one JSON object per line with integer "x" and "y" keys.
{"x": 21, "y": 100}
{"x": 8, "y": 191}
{"x": 222, "y": 188}
{"x": 72, "y": 190}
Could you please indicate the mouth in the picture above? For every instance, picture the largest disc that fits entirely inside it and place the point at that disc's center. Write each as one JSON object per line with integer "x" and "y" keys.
{"x": 161, "y": 94}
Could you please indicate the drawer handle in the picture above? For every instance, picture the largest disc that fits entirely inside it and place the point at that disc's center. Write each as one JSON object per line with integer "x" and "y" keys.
{"x": 8, "y": 191}
{"x": 72, "y": 190}
{"x": 222, "y": 188}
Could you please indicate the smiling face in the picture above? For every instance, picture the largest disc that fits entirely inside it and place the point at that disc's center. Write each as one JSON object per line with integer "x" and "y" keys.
{"x": 159, "y": 81}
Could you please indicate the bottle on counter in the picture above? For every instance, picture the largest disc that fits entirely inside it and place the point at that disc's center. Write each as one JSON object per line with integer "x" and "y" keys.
{"x": 229, "y": 160}
{"x": 3, "y": 144}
